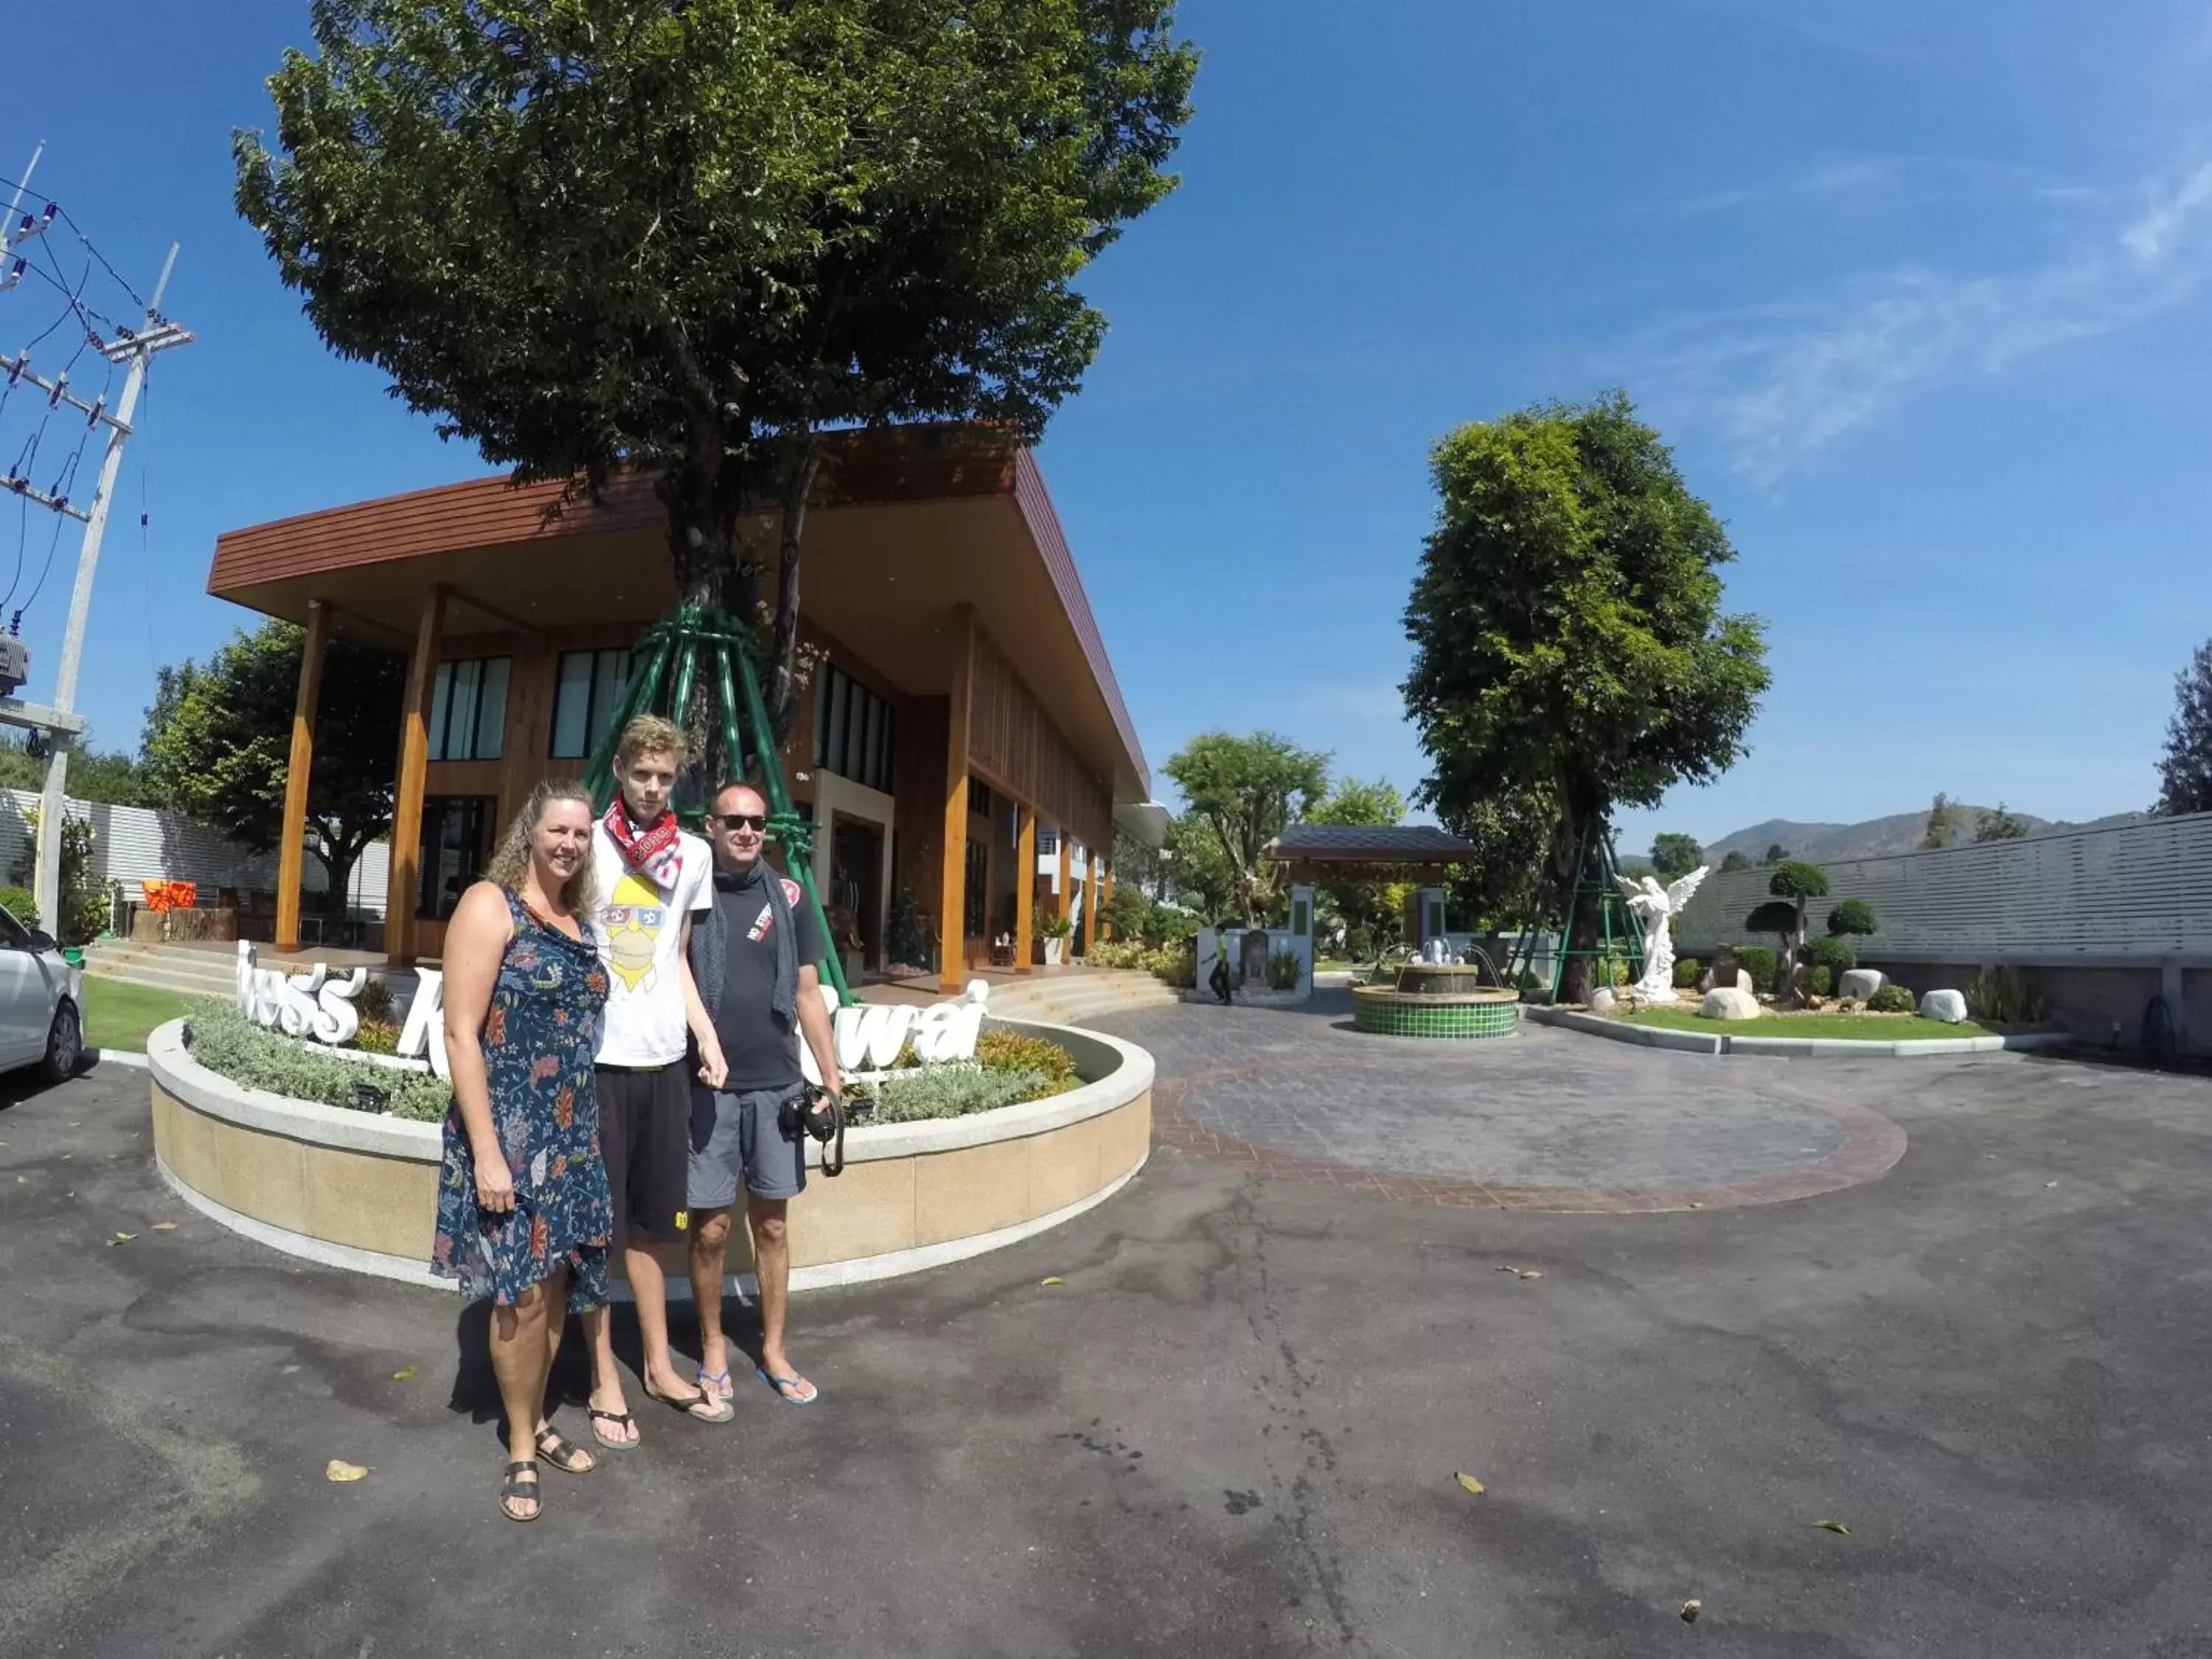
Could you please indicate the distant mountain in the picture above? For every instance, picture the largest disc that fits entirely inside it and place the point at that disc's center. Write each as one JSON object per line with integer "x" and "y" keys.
{"x": 1834, "y": 843}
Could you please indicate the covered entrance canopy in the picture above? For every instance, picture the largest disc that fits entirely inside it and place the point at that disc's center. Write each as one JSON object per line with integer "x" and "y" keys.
{"x": 1356, "y": 852}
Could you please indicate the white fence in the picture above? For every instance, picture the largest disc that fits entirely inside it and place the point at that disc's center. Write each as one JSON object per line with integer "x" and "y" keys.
{"x": 131, "y": 844}
{"x": 2137, "y": 892}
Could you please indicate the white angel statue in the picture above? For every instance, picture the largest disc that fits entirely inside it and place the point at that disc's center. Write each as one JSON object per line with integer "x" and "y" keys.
{"x": 1658, "y": 905}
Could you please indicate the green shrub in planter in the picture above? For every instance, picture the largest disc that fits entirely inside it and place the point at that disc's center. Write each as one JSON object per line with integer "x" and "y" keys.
{"x": 1686, "y": 969}
{"x": 1892, "y": 999}
{"x": 230, "y": 1045}
{"x": 1285, "y": 969}
{"x": 1011, "y": 1051}
{"x": 956, "y": 1089}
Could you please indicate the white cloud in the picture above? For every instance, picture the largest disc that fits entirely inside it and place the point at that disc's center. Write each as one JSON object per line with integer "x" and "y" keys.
{"x": 1781, "y": 381}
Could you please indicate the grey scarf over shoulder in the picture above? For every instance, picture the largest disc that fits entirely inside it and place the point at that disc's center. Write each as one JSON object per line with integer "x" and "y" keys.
{"x": 710, "y": 950}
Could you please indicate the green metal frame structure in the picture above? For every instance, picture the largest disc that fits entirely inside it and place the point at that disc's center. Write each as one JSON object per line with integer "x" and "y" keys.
{"x": 674, "y": 651}
{"x": 1620, "y": 930}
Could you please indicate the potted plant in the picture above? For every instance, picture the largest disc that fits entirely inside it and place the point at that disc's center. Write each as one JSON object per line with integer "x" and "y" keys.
{"x": 1055, "y": 930}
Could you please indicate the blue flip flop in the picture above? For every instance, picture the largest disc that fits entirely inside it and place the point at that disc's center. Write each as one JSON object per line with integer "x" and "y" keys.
{"x": 780, "y": 1384}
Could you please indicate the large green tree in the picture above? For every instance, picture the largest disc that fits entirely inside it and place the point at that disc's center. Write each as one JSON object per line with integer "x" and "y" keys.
{"x": 687, "y": 236}
{"x": 218, "y": 744}
{"x": 2185, "y": 772}
{"x": 1566, "y": 621}
{"x": 1245, "y": 791}
{"x": 1675, "y": 854}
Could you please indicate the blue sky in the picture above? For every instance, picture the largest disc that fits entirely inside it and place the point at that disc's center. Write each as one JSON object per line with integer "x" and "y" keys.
{"x": 1918, "y": 294}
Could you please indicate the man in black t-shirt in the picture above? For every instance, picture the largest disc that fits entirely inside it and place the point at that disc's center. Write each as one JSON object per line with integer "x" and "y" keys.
{"x": 753, "y": 958}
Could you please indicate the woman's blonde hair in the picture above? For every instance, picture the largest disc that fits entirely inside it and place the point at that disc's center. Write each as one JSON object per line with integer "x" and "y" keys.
{"x": 510, "y": 865}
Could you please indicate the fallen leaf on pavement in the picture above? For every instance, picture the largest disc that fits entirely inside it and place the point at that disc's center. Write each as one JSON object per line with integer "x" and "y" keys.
{"x": 1690, "y": 1609}
{"x": 1470, "y": 1483}
{"x": 2051, "y": 1183}
{"x": 1531, "y": 1272}
{"x": 165, "y": 1226}
{"x": 1834, "y": 1526}
{"x": 1054, "y": 1279}
{"x": 403, "y": 1373}
{"x": 122, "y": 1238}
{"x": 339, "y": 1469}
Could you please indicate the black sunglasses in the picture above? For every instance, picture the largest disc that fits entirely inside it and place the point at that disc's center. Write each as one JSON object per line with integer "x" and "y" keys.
{"x": 755, "y": 822}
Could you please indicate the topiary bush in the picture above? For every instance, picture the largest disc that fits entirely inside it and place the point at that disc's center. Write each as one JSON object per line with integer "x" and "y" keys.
{"x": 1686, "y": 969}
{"x": 1758, "y": 961}
{"x": 1833, "y": 954}
{"x": 1795, "y": 880}
{"x": 1817, "y": 979}
{"x": 1892, "y": 999}
{"x": 230, "y": 1045}
{"x": 1851, "y": 916}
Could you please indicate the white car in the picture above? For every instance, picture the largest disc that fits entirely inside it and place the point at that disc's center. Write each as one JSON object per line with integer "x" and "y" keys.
{"x": 41, "y": 1003}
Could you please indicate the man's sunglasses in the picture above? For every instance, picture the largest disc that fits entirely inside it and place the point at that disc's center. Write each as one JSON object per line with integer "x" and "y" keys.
{"x": 755, "y": 822}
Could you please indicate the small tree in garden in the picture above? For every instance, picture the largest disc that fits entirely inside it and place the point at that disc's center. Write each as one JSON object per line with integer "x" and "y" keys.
{"x": 1776, "y": 853}
{"x": 1795, "y": 882}
{"x": 1676, "y": 855}
{"x": 1734, "y": 862}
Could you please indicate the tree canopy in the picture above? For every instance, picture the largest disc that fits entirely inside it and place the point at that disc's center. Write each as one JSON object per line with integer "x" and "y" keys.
{"x": 592, "y": 235}
{"x": 218, "y": 744}
{"x": 1352, "y": 801}
{"x": 1568, "y": 640}
{"x": 2000, "y": 825}
{"x": 2185, "y": 772}
{"x": 1735, "y": 860}
{"x": 1675, "y": 855}
{"x": 1942, "y": 826}
{"x": 1245, "y": 791}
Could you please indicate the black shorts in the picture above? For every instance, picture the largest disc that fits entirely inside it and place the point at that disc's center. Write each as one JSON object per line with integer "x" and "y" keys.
{"x": 645, "y": 1135}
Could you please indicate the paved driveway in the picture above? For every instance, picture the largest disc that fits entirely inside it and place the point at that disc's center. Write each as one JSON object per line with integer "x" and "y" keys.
{"x": 1232, "y": 1431}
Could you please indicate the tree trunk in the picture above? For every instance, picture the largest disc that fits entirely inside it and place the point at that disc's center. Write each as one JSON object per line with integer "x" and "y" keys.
{"x": 799, "y": 469}
{"x": 1577, "y": 815}
{"x": 703, "y": 495}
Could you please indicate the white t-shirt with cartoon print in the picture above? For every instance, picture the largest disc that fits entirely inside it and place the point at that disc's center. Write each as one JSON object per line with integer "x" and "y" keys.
{"x": 641, "y": 933}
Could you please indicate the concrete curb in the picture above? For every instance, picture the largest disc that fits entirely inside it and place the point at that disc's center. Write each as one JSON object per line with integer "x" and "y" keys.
{"x": 115, "y": 1057}
{"x": 1727, "y": 1043}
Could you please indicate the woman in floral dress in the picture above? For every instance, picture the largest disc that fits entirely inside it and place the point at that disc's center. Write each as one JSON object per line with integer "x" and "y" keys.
{"x": 524, "y": 1213}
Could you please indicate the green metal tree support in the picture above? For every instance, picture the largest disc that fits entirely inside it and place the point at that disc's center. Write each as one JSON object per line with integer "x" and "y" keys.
{"x": 674, "y": 651}
{"x": 1619, "y": 929}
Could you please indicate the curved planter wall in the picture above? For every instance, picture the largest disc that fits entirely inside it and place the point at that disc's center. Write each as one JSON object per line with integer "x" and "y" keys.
{"x": 355, "y": 1190}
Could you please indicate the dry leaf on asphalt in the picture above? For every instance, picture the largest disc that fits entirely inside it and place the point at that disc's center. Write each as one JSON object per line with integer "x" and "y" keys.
{"x": 1834, "y": 1526}
{"x": 2050, "y": 1183}
{"x": 165, "y": 1226}
{"x": 1690, "y": 1609}
{"x": 403, "y": 1373}
{"x": 122, "y": 1238}
{"x": 1054, "y": 1279}
{"x": 1520, "y": 1273}
{"x": 1470, "y": 1483}
{"x": 339, "y": 1469}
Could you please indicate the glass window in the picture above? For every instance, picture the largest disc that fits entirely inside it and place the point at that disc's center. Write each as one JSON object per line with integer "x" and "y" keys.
{"x": 587, "y": 690}
{"x": 853, "y": 731}
{"x": 456, "y": 847}
{"x": 840, "y": 698}
{"x": 468, "y": 709}
{"x": 1048, "y": 840}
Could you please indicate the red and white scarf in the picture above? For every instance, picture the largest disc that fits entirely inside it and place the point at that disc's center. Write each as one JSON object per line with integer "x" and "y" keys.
{"x": 653, "y": 849}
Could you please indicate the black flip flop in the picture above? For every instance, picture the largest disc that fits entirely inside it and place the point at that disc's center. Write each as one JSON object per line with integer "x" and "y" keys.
{"x": 514, "y": 1487}
{"x": 561, "y": 1453}
{"x": 627, "y": 1421}
{"x": 688, "y": 1404}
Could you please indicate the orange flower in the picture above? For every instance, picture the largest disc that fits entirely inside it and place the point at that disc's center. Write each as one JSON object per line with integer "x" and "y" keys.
{"x": 564, "y": 1108}
{"x": 560, "y": 1164}
{"x": 495, "y": 1025}
{"x": 537, "y": 1237}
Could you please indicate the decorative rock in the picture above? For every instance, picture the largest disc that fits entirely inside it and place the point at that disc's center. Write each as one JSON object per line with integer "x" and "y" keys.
{"x": 1861, "y": 982}
{"x": 1949, "y": 1006}
{"x": 1601, "y": 1000}
{"x": 1729, "y": 1002}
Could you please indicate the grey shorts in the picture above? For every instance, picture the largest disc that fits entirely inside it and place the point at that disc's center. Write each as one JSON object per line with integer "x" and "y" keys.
{"x": 737, "y": 1133}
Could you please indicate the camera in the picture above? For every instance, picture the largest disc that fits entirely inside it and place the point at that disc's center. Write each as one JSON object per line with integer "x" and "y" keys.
{"x": 819, "y": 1113}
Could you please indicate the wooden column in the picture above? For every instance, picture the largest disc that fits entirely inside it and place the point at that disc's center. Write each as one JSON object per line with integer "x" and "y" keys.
{"x": 1090, "y": 899}
{"x": 952, "y": 903}
{"x": 1065, "y": 896}
{"x": 291, "y": 849}
{"x": 1024, "y": 887}
{"x": 399, "y": 928}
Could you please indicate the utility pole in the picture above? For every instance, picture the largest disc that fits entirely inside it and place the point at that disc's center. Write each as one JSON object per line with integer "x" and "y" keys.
{"x": 137, "y": 349}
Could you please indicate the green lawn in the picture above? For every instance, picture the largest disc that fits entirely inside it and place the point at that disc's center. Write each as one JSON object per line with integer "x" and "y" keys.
{"x": 118, "y": 1016}
{"x": 1862, "y": 1028}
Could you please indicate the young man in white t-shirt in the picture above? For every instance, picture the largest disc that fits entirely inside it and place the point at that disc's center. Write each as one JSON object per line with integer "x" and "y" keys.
{"x": 651, "y": 879}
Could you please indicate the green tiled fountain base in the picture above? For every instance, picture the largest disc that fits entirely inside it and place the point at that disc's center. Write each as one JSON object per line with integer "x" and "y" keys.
{"x": 1392, "y": 1015}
